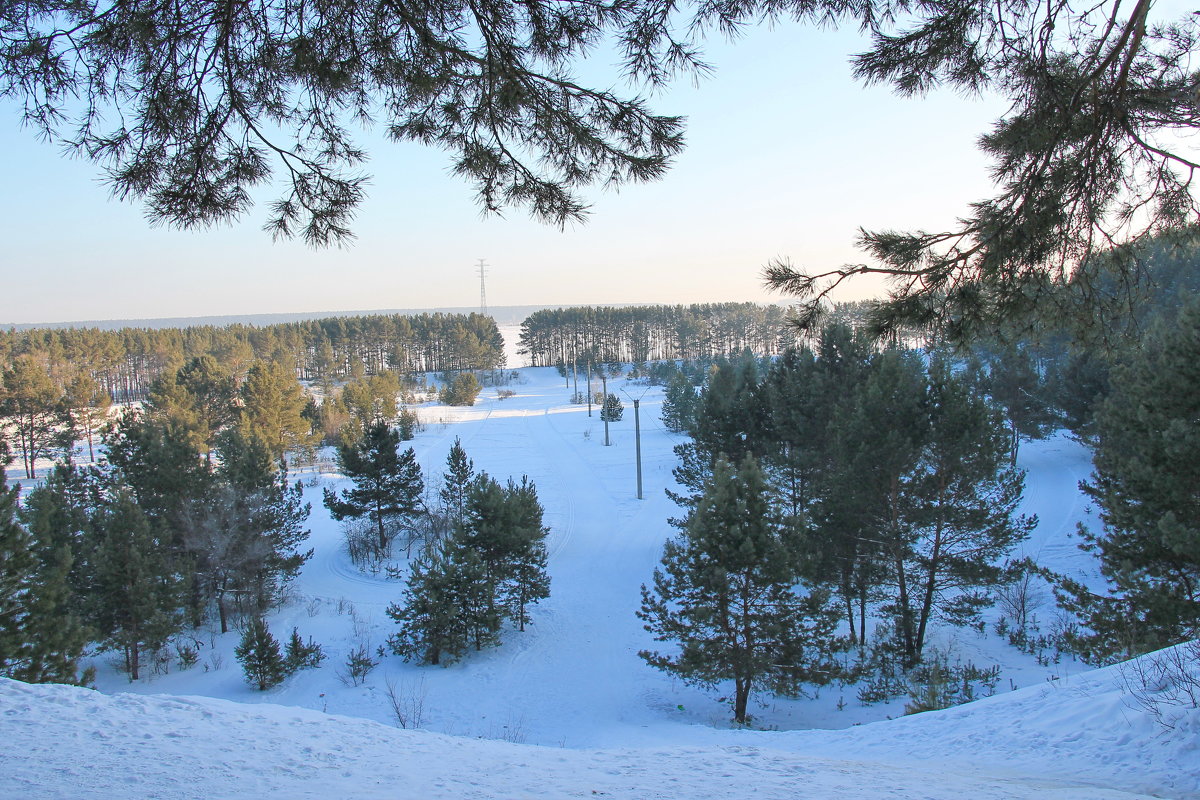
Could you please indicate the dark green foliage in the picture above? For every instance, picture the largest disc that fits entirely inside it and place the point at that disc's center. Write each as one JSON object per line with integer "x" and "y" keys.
{"x": 260, "y": 657}
{"x": 612, "y": 409}
{"x": 159, "y": 462}
{"x": 301, "y": 655}
{"x": 525, "y": 580}
{"x": 727, "y": 596}
{"x": 243, "y": 537}
{"x": 1014, "y": 383}
{"x": 562, "y": 337}
{"x": 17, "y": 566}
{"x": 489, "y": 569}
{"x": 407, "y": 424}
{"x": 446, "y": 608}
{"x": 387, "y": 485}
{"x": 679, "y": 404}
{"x": 456, "y": 482}
{"x": 1145, "y": 482}
{"x": 461, "y": 390}
{"x": 138, "y": 592}
{"x": 41, "y": 638}
{"x": 961, "y": 518}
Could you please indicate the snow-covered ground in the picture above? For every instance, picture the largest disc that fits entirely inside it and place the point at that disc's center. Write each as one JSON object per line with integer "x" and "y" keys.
{"x": 524, "y": 719}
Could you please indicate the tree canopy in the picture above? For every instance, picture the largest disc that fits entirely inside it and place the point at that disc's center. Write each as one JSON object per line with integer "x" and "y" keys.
{"x": 189, "y": 106}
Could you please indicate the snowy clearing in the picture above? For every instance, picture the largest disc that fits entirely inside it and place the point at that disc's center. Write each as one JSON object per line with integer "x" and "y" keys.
{"x": 573, "y": 679}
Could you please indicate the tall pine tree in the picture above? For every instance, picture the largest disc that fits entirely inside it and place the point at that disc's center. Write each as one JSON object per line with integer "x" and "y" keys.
{"x": 726, "y": 596}
{"x": 387, "y": 485}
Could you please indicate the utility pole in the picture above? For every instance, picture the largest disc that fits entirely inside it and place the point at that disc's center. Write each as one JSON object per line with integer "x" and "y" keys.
{"x": 604, "y": 405}
{"x": 637, "y": 434}
{"x": 482, "y": 267}
{"x": 637, "y": 438}
{"x": 589, "y": 368}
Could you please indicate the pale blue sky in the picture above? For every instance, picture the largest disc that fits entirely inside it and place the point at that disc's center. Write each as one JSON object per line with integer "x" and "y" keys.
{"x": 786, "y": 157}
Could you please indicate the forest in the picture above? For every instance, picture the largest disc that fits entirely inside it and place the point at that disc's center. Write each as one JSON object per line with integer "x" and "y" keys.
{"x": 124, "y": 363}
{"x": 853, "y": 493}
{"x": 639, "y": 334}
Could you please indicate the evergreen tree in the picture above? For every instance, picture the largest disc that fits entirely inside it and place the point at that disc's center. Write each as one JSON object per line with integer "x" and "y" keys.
{"x": 272, "y": 409}
{"x": 87, "y": 404}
{"x": 612, "y": 410}
{"x": 41, "y": 636}
{"x": 456, "y": 482}
{"x": 726, "y": 594}
{"x": 159, "y": 462}
{"x": 526, "y": 580}
{"x": 260, "y": 657}
{"x": 1146, "y": 474}
{"x": 1013, "y": 382}
{"x": 860, "y": 514}
{"x": 300, "y": 654}
{"x": 448, "y": 606}
{"x": 387, "y": 485}
{"x": 679, "y": 403}
{"x": 138, "y": 592}
{"x": 462, "y": 390}
{"x": 17, "y": 567}
{"x": 197, "y": 399}
{"x": 965, "y": 493}
{"x": 34, "y": 406}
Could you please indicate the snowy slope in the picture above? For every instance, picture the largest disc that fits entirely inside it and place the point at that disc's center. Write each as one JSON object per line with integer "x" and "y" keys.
{"x": 573, "y": 679}
{"x": 1079, "y": 741}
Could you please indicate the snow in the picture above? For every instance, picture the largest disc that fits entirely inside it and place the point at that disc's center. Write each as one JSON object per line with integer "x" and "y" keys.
{"x": 566, "y": 708}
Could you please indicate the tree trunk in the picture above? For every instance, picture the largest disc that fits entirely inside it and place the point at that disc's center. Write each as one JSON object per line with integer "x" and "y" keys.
{"x": 741, "y": 696}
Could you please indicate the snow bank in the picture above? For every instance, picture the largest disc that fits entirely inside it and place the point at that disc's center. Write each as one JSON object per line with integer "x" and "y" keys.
{"x": 1077, "y": 739}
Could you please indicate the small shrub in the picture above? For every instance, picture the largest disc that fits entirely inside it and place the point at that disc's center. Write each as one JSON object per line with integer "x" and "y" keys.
{"x": 188, "y": 655}
{"x": 408, "y": 424}
{"x": 260, "y": 656}
{"x": 462, "y": 390}
{"x": 1166, "y": 684}
{"x": 407, "y": 702}
{"x": 358, "y": 666}
{"x": 302, "y": 655}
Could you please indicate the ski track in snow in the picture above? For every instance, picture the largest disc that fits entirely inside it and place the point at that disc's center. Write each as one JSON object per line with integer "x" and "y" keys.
{"x": 573, "y": 678}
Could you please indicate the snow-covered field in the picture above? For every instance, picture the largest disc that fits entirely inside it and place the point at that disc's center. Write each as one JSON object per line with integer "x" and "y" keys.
{"x": 566, "y": 708}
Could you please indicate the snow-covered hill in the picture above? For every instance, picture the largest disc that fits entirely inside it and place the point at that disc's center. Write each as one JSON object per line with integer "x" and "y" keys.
{"x": 1077, "y": 739}
{"x": 573, "y": 680}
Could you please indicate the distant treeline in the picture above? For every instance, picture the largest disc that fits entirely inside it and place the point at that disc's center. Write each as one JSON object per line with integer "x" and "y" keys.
{"x": 652, "y": 333}
{"x": 125, "y": 362}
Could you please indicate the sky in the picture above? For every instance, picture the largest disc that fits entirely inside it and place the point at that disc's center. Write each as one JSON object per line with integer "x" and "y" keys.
{"x": 787, "y": 157}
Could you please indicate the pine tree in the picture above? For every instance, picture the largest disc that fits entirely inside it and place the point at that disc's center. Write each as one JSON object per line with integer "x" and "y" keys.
{"x": 273, "y": 409}
{"x": 1146, "y": 474}
{"x": 612, "y": 410}
{"x": 41, "y": 636}
{"x": 446, "y": 607}
{"x": 1015, "y": 384}
{"x": 726, "y": 595}
{"x": 456, "y": 482}
{"x": 33, "y": 404}
{"x": 260, "y": 657}
{"x": 17, "y": 566}
{"x": 300, "y": 654}
{"x": 138, "y": 592}
{"x": 962, "y": 514}
{"x": 462, "y": 390}
{"x": 679, "y": 403}
{"x": 526, "y": 580}
{"x": 387, "y": 485}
